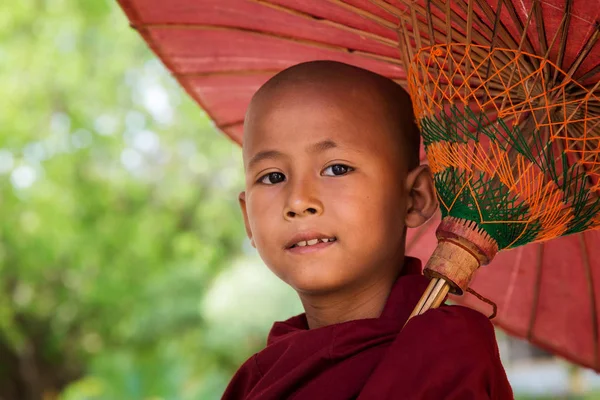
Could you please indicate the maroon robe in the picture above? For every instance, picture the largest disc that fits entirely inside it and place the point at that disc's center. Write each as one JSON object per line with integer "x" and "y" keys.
{"x": 447, "y": 353}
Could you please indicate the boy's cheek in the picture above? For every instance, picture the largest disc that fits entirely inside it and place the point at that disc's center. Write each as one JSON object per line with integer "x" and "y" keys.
{"x": 265, "y": 233}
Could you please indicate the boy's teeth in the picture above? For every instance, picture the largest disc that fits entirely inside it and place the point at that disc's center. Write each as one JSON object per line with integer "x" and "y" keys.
{"x": 314, "y": 241}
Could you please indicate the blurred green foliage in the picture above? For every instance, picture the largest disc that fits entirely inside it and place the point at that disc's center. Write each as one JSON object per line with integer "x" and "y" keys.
{"x": 123, "y": 266}
{"x": 118, "y": 209}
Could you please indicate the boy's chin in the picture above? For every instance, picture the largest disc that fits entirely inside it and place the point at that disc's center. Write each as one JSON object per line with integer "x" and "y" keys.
{"x": 320, "y": 284}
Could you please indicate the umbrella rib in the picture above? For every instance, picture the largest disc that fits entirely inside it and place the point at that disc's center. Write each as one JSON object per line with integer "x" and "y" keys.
{"x": 443, "y": 28}
{"x": 430, "y": 24}
{"x": 536, "y": 291}
{"x": 449, "y": 30}
{"x": 478, "y": 34}
{"x": 387, "y": 7}
{"x": 381, "y": 39}
{"x": 519, "y": 24}
{"x": 417, "y": 37}
{"x": 524, "y": 40}
{"x": 415, "y": 22}
{"x": 307, "y": 42}
{"x": 469, "y": 21}
{"x": 590, "y": 73}
{"x": 493, "y": 31}
{"x": 492, "y": 46}
{"x": 591, "y": 41}
{"x": 401, "y": 82}
{"x": 541, "y": 32}
{"x": 565, "y": 23}
{"x": 404, "y": 46}
{"x": 582, "y": 147}
{"x": 364, "y": 13}
{"x": 471, "y": 33}
{"x": 579, "y": 90}
{"x": 562, "y": 147}
{"x": 508, "y": 294}
{"x": 504, "y": 34}
{"x": 479, "y": 53}
{"x": 592, "y": 294}
{"x": 228, "y": 72}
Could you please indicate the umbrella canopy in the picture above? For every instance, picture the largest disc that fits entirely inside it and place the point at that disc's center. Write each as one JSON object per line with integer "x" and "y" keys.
{"x": 221, "y": 51}
{"x": 508, "y": 102}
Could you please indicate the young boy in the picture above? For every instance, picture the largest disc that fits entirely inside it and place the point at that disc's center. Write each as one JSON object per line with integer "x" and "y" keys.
{"x": 331, "y": 154}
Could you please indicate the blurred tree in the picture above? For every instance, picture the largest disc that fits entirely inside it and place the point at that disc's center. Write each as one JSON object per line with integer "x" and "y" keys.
{"x": 113, "y": 221}
{"x": 118, "y": 211}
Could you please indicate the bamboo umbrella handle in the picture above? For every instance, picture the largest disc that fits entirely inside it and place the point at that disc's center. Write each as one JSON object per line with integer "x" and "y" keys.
{"x": 433, "y": 297}
{"x": 462, "y": 248}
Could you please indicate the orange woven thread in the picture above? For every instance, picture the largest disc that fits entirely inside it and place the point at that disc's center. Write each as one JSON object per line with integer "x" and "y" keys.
{"x": 544, "y": 199}
{"x": 552, "y": 108}
{"x": 596, "y": 222}
{"x": 516, "y": 92}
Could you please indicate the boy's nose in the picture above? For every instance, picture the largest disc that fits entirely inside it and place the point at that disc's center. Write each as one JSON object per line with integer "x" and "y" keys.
{"x": 302, "y": 202}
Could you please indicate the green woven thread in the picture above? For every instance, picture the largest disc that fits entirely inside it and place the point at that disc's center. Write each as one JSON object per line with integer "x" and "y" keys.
{"x": 489, "y": 201}
{"x": 495, "y": 202}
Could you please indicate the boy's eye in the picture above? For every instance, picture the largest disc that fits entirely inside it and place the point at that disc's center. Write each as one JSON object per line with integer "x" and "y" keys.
{"x": 272, "y": 178}
{"x": 337, "y": 170}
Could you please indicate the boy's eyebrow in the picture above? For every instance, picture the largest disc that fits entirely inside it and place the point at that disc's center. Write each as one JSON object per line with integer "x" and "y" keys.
{"x": 273, "y": 154}
{"x": 322, "y": 146}
{"x": 264, "y": 155}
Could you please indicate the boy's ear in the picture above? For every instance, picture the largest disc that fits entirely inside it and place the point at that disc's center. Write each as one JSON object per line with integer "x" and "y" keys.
{"x": 242, "y": 200}
{"x": 421, "y": 203}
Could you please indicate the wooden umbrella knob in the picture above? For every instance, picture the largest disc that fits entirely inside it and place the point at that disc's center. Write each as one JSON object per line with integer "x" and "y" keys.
{"x": 462, "y": 248}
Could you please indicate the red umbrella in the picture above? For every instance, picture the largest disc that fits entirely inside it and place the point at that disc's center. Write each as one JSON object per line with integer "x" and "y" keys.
{"x": 506, "y": 93}
{"x": 221, "y": 51}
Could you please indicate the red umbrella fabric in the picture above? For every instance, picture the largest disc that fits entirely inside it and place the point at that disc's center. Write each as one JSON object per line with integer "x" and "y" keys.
{"x": 222, "y": 51}
{"x": 546, "y": 292}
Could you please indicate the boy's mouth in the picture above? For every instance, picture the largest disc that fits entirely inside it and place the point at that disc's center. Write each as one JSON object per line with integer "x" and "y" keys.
{"x": 308, "y": 239}
{"x": 312, "y": 242}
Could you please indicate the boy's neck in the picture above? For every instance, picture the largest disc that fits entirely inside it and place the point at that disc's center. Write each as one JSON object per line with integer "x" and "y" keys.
{"x": 366, "y": 301}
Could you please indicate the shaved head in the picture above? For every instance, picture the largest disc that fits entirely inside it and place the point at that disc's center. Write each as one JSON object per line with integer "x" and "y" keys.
{"x": 331, "y": 158}
{"x": 330, "y": 79}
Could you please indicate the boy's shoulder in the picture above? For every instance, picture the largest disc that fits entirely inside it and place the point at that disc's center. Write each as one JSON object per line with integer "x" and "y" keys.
{"x": 457, "y": 317}
{"x": 453, "y": 327}
{"x": 448, "y": 352}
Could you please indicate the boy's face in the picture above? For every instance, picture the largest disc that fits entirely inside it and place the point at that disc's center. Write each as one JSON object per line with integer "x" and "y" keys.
{"x": 322, "y": 164}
